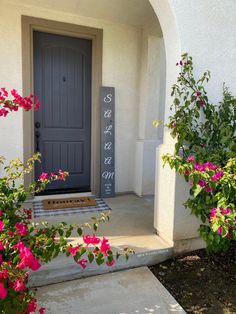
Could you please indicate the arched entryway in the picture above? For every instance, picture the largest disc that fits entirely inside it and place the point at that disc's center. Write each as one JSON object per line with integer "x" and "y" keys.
{"x": 140, "y": 47}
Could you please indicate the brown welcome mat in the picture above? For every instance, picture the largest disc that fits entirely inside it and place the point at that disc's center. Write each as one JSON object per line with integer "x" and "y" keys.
{"x": 40, "y": 212}
{"x": 85, "y": 201}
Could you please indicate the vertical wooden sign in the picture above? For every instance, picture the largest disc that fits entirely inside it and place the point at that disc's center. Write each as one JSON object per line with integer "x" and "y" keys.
{"x": 107, "y": 142}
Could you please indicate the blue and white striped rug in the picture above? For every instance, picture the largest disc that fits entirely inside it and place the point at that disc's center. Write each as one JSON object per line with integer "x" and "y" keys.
{"x": 39, "y": 211}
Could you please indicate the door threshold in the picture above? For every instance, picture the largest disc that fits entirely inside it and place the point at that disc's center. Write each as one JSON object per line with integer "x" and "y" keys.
{"x": 61, "y": 196}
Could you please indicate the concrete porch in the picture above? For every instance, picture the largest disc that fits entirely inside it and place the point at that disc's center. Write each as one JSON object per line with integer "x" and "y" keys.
{"x": 130, "y": 225}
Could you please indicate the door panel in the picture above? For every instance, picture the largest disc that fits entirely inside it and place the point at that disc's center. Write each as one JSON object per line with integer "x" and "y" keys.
{"x": 62, "y": 80}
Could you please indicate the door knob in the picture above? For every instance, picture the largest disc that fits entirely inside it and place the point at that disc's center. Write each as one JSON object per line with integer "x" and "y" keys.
{"x": 37, "y": 125}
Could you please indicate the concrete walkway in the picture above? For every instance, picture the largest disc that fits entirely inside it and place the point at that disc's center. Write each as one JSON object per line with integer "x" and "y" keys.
{"x": 131, "y": 225}
{"x": 133, "y": 291}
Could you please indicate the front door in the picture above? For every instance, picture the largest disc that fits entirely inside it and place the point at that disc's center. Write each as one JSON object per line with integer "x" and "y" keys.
{"x": 62, "y": 125}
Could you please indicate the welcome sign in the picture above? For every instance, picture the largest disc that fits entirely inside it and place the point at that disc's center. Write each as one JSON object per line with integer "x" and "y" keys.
{"x": 107, "y": 142}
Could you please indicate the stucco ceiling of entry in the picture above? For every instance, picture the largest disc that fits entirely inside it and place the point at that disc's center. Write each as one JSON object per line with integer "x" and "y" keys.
{"x": 133, "y": 12}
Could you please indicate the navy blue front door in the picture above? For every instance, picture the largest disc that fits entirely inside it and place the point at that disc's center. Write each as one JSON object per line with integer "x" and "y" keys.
{"x": 62, "y": 81}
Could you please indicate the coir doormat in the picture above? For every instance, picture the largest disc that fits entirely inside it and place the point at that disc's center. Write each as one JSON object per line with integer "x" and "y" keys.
{"x": 39, "y": 211}
{"x": 69, "y": 203}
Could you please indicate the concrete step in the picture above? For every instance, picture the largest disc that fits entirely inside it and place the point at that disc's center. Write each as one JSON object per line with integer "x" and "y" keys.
{"x": 64, "y": 268}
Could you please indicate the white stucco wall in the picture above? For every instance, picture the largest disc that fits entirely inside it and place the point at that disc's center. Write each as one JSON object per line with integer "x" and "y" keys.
{"x": 151, "y": 106}
{"x": 206, "y": 30}
{"x": 121, "y": 69}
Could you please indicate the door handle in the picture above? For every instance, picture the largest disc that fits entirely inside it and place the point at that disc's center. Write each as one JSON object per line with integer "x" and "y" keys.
{"x": 37, "y": 135}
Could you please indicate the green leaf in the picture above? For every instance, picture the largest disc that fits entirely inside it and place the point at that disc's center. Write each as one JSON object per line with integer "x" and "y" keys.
{"x": 90, "y": 256}
{"x": 95, "y": 227}
{"x": 80, "y": 231}
{"x": 197, "y": 189}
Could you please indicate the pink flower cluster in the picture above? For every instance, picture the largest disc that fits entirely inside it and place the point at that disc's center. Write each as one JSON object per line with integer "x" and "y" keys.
{"x": 73, "y": 250}
{"x": 217, "y": 176}
{"x": 21, "y": 229}
{"x": 222, "y": 211}
{"x": 6, "y": 105}
{"x": 94, "y": 241}
{"x": 27, "y": 259}
{"x": 3, "y": 291}
{"x": 207, "y": 166}
{"x": 216, "y": 214}
{"x": 44, "y": 176}
{"x": 1, "y": 225}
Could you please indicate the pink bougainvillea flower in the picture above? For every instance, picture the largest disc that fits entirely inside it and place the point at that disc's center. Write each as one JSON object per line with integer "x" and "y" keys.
{"x": 19, "y": 285}
{"x": 202, "y": 183}
{"x": 3, "y": 291}
{"x": 219, "y": 230}
{"x": 73, "y": 250}
{"x": 82, "y": 263}
{"x": 4, "y": 273}
{"x": 173, "y": 125}
{"x": 225, "y": 211}
{"x": 61, "y": 175}
{"x": 105, "y": 246}
{"x": 43, "y": 176}
{"x": 191, "y": 158}
{"x": 1, "y": 246}
{"x": 28, "y": 212}
{"x": 32, "y": 306}
{"x": 1, "y": 212}
{"x": 4, "y": 91}
{"x": 19, "y": 246}
{"x": 210, "y": 165}
{"x": 1, "y": 225}
{"x": 187, "y": 173}
{"x": 110, "y": 263}
{"x": 213, "y": 213}
{"x": 10, "y": 233}
{"x": 199, "y": 167}
{"x": 36, "y": 103}
{"x": 93, "y": 240}
{"x": 42, "y": 310}
{"x": 209, "y": 190}
{"x": 3, "y": 112}
{"x": 27, "y": 258}
{"x": 21, "y": 229}
{"x": 217, "y": 176}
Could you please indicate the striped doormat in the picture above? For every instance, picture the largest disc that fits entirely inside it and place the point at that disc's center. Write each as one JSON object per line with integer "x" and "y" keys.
{"x": 39, "y": 211}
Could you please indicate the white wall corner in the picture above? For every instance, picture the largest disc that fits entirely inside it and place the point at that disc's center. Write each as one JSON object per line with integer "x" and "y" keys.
{"x": 138, "y": 171}
{"x": 164, "y": 205}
